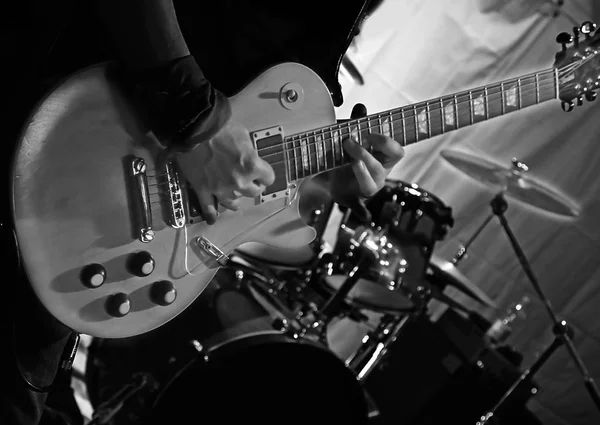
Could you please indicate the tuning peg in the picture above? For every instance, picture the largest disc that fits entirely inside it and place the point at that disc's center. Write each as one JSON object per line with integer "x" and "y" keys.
{"x": 564, "y": 38}
{"x": 567, "y": 106}
{"x": 590, "y": 96}
{"x": 576, "y": 33}
{"x": 587, "y": 28}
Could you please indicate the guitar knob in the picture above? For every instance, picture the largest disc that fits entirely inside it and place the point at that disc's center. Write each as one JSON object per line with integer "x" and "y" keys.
{"x": 93, "y": 275}
{"x": 563, "y": 39}
{"x": 590, "y": 96}
{"x": 141, "y": 264}
{"x": 579, "y": 100}
{"x": 163, "y": 293}
{"x": 587, "y": 28}
{"x": 118, "y": 305}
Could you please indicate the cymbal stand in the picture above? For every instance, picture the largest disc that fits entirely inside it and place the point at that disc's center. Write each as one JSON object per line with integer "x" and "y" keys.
{"x": 462, "y": 251}
{"x": 563, "y": 333}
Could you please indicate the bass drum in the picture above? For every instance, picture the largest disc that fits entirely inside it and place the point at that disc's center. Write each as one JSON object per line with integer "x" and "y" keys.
{"x": 246, "y": 371}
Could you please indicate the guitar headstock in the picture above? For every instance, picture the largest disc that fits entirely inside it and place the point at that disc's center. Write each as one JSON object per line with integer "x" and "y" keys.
{"x": 578, "y": 65}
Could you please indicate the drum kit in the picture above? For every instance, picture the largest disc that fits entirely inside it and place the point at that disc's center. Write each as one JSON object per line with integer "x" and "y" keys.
{"x": 290, "y": 342}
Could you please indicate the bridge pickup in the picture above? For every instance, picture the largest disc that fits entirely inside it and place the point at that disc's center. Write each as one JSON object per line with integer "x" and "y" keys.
{"x": 269, "y": 143}
{"x": 138, "y": 169}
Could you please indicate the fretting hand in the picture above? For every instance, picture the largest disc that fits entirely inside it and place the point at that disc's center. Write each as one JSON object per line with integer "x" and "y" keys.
{"x": 368, "y": 171}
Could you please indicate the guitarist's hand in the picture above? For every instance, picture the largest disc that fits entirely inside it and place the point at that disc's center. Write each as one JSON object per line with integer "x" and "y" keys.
{"x": 368, "y": 172}
{"x": 224, "y": 169}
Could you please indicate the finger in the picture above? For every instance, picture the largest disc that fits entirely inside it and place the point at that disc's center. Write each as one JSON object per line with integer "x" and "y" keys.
{"x": 367, "y": 185}
{"x": 252, "y": 190}
{"x": 261, "y": 172}
{"x": 207, "y": 205}
{"x": 230, "y": 204}
{"x": 390, "y": 151}
{"x": 358, "y": 153}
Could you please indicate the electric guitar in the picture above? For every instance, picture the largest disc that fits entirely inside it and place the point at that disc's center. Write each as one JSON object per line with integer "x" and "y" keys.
{"x": 110, "y": 236}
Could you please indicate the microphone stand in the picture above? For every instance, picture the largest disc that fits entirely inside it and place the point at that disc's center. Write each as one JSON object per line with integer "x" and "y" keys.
{"x": 563, "y": 333}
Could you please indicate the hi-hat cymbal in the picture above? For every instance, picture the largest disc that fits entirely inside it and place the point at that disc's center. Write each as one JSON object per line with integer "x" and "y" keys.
{"x": 513, "y": 181}
{"x": 447, "y": 274}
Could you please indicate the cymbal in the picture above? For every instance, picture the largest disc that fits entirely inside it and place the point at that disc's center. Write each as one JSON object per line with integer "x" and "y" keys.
{"x": 513, "y": 181}
{"x": 447, "y": 273}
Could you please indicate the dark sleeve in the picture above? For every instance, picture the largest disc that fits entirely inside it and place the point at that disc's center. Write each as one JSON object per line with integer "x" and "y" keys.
{"x": 167, "y": 81}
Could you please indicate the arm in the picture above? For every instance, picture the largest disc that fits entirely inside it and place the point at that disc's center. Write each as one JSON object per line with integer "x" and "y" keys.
{"x": 150, "y": 46}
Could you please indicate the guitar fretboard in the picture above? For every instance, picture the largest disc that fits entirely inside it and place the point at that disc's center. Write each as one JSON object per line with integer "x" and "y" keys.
{"x": 310, "y": 153}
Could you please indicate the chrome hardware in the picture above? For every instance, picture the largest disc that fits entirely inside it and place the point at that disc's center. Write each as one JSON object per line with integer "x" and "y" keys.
{"x": 177, "y": 210}
{"x": 567, "y": 106}
{"x": 291, "y": 96}
{"x": 272, "y": 140}
{"x": 197, "y": 346}
{"x": 587, "y": 28}
{"x": 375, "y": 346}
{"x": 519, "y": 166}
{"x": 211, "y": 249}
{"x": 590, "y": 96}
{"x": 138, "y": 168}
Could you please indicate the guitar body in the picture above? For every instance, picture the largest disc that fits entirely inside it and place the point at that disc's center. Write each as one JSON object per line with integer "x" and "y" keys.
{"x": 75, "y": 209}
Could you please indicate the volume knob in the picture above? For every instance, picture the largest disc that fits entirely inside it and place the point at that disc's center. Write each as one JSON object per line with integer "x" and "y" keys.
{"x": 141, "y": 264}
{"x": 163, "y": 293}
{"x": 118, "y": 305}
{"x": 93, "y": 275}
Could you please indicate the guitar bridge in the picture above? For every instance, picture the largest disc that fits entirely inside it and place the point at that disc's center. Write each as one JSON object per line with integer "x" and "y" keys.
{"x": 176, "y": 207}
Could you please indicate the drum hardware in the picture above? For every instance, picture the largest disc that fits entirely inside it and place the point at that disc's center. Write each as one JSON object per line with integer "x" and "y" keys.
{"x": 108, "y": 409}
{"x": 563, "y": 333}
{"x": 513, "y": 181}
{"x": 374, "y": 346}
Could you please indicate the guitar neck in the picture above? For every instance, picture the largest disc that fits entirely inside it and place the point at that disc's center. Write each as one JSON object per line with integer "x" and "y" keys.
{"x": 319, "y": 150}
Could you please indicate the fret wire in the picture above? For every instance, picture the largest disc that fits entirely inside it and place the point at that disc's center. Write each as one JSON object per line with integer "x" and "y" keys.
{"x": 502, "y": 110}
{"x": 519, "y": 90}
{"x": 442, "y": 115}
{"x": 310, "y": 168}
{"x": 487, "y": 105}
{"x": 471, "y": 107}
{"x": 456, "y": 112}
{"x": 286, "y": 162}
{"x": 370, "y": 131}
{"x": 404, "y": 141}
{"x": 324, "y": 150}
{"x": 537, "y": 90}
{"x": 416, "y": 123}
{"x": 391, "y": 124}
{"x": 332, "y": 142}
{"x": 298, "y": 158}
{"x": 556, "y": 83}
{"x": 428, "y": 115}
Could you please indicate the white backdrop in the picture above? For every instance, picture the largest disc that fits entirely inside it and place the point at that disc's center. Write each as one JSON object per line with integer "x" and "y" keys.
{"x": 413, "y": 50}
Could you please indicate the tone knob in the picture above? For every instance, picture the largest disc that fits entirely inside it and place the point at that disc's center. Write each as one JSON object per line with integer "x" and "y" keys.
{"x": 141, "y": 264}
{"x": 118, "y": 305}
{"x": 93, "y": 275}
{"x": 163, "y": 293}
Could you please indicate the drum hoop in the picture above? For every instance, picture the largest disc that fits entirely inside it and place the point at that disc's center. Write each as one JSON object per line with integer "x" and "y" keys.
{"x": 257, "y": 337}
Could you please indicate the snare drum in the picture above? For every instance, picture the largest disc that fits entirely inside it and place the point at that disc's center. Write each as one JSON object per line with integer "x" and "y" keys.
{"x": 245, "y": 371}
{"x": 407, "y": 222}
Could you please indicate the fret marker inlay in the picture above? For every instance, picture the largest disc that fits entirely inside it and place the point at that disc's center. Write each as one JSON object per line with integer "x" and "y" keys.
{"x": 449, "y": 114}
{"x": 511, "y": 97}
{"x": 478, "y": 106}
{"x": 422, "y": 120}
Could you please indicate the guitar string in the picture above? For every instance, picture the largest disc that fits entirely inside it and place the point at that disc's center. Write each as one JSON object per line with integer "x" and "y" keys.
{"x": 408, "y": 127}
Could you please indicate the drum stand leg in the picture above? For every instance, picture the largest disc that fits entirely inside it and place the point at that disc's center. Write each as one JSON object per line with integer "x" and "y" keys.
{"x": 375, "y": 345}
